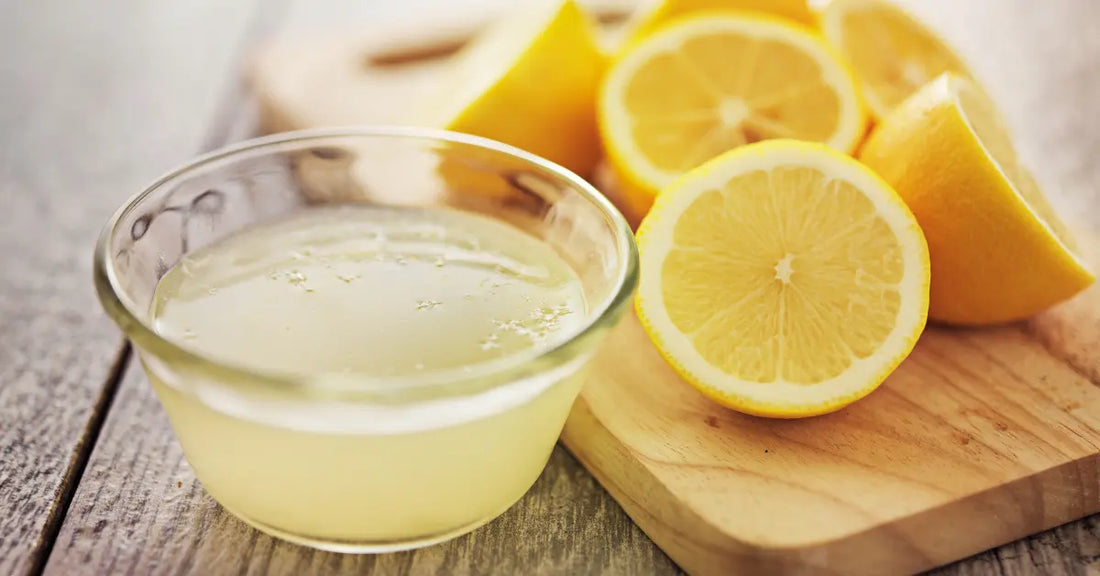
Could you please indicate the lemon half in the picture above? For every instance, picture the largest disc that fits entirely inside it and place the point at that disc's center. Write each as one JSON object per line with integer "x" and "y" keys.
{"x": 713, "y": 82}
{"x": 782, "y": 279}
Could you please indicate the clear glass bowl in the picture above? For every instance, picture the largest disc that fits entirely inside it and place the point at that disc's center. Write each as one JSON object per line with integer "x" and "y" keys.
{"x": 347, "y": 463}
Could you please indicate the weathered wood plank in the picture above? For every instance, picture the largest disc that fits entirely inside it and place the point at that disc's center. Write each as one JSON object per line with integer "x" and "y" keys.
{"x": 1071, "y": 550}
{"x": 96, "y": 99}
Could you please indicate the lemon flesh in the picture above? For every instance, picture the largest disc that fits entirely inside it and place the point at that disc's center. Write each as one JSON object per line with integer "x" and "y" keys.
{"x": 783, "y": 279}
{"x": 891, "y": 52}
{"x": 713, "y": 82}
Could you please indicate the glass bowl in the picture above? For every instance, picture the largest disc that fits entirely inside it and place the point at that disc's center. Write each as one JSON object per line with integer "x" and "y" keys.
{"x": 347, "y": 462}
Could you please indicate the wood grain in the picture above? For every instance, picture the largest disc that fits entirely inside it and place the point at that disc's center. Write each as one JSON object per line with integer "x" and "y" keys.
{"x": 140, "y": 511}
{"x": 96, "y": 99}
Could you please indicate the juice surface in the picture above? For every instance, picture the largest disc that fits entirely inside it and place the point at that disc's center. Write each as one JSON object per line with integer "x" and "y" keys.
{"x": 378, "y": 293}
{"x": 372, "y": 291}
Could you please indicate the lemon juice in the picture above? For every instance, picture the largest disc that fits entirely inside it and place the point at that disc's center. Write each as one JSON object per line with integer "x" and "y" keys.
{"x": 414, "y": 305}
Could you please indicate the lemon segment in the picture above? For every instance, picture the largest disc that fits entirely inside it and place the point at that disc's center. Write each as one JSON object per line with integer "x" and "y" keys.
{"x": 999, "y": 250}
{"x": 891, "y": 52}
{"x": 713, "y": 82}
{"x": 530, "y": 80}
{"x": 782, "y": 279}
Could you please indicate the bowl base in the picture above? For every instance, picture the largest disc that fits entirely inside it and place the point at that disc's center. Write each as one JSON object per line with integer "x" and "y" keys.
{"x": 364, "y": 546}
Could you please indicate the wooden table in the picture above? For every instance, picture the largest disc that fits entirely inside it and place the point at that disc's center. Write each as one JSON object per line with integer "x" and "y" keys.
{"x": 98, "y": 98}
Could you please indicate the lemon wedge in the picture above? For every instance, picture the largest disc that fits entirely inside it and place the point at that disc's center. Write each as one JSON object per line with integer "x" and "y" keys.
{"x": 891, "y": 52}
{"x": 529, "y": 80}
{"x": 999, "y": 250}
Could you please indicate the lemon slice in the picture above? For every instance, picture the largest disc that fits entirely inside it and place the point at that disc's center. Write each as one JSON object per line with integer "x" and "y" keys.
{"x": 529, "y": 80}
{"x": 657, "y": 13}
{"x": 713, "y": 82}
{"x": 782, "y": 279}
{"x": 891, "y": 52}
{"x": 999, "y": 250}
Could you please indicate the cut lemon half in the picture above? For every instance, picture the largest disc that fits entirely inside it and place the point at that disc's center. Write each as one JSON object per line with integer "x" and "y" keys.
{"x": 892, "y": 53}
{"x": 712, "y": 82}
{"x": 999, "y": 250}
{"x": 529, "y": 80}
{"x": 651, "y": 16}
{"x": 782, "y": 279}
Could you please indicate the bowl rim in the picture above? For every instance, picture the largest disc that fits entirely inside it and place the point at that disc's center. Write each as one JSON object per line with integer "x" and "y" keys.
{"x": 460, "y": 381}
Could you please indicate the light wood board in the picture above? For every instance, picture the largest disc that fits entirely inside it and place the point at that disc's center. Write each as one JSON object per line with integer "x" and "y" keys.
{"x": 980, "y": 438}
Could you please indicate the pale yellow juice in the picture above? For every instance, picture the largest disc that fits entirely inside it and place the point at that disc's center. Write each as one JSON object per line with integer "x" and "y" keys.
{"x": 385, "y": 298}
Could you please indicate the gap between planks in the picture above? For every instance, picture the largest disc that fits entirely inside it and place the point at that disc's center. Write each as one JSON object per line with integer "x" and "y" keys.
{"x": 43, "y": 547}
{"x": 234, "y": 119}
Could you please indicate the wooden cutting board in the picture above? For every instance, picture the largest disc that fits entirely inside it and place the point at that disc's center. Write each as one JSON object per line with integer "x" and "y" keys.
{"x": 981, "y": 437}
